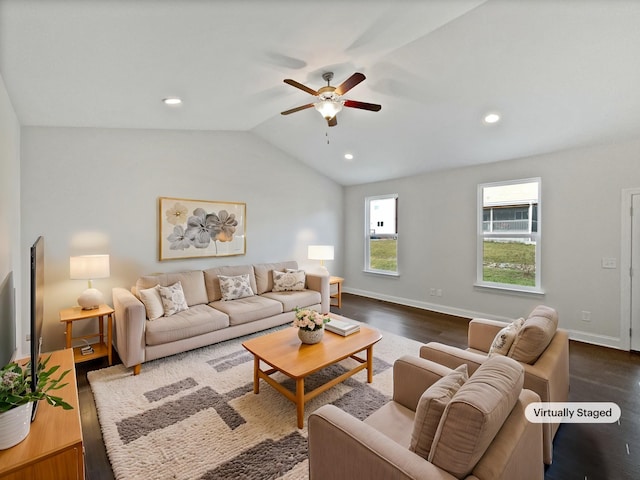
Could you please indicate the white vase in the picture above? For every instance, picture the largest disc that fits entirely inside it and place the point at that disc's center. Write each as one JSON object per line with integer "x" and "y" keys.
{"x": 310, "y": 336}
{"x": 15, "y": 425}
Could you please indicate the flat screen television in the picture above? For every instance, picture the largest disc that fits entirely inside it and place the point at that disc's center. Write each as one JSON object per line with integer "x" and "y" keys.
{"x": 37, "y": 311}
{"x": 8, "y": 342}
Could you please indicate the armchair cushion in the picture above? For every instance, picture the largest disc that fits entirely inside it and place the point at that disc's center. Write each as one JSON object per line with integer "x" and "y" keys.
{"x": 474, "y": 416}
{"x": 535, "y": 335}
{"x": 430, "y": 408}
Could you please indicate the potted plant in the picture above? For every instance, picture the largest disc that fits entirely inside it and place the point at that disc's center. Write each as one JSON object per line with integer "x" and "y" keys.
{"x": 17, "y": 397}
{"x": 310, "y": 325}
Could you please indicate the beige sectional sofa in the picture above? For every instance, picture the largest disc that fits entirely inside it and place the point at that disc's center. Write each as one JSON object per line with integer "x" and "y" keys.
{"x": 140, "y": 335}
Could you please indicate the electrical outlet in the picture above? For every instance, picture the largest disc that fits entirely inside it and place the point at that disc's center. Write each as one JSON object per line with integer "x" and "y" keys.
{"x": 432, "y": 292}
{"x": 28, "y": 338}
{"x": 586, "y": 316}
{"x": 609, "y": 262}
{"x": 439, "y": 292}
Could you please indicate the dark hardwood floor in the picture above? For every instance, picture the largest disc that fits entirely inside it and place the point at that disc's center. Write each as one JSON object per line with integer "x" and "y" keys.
{"x": 581, "y": 451}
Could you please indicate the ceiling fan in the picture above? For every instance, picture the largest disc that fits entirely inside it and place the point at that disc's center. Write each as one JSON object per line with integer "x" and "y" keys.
{"x": 330, "y": 100}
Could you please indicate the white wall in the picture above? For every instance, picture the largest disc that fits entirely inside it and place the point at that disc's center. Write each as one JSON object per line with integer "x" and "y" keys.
{"x": 10, "y": 196}
{"x": 581, "y": 222}
{"x": 96, "y": 191}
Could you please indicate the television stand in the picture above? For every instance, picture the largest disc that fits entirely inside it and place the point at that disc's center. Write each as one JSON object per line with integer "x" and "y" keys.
{"x": 54, "y": 447}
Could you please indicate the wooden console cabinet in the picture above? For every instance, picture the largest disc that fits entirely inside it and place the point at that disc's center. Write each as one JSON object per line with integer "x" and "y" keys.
{"x": 53, "y": 450}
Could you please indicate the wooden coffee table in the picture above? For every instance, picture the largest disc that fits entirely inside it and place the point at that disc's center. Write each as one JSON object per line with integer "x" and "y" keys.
{"x": 283, "y": 351}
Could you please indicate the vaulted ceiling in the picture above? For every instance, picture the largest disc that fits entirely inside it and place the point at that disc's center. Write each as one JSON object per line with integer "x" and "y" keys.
{"x": 562, "y": 74}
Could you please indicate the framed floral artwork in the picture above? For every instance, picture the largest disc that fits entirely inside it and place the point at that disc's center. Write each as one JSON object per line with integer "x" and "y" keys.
{"x": 200, "y": 228}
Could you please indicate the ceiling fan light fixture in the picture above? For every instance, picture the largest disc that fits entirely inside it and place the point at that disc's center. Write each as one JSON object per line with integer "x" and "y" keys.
{"x": 328, "y": 108}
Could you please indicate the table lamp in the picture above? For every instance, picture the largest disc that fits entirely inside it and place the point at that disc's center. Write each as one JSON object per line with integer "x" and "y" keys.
{"x": 322, "y": 253}
{"x": 89, "y": 267}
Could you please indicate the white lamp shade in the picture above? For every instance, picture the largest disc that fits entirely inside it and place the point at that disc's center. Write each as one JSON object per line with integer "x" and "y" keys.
{"x": 89, "y": 267}
{"x": 320, "y": 252}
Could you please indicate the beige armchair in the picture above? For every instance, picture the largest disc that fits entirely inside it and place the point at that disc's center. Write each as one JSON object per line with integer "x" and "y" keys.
{"x": 546, "y": 373}
{"x": 434, "y": 428}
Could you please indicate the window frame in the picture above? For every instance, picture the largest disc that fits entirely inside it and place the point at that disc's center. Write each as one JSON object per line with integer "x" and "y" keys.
{"x": 482, "y": 235}
{"x": 367, "y": 235}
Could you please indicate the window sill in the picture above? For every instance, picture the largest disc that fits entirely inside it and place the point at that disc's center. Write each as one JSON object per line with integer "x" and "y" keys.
{"x": 510, "y": 289}
{"x": 382, "y": 273}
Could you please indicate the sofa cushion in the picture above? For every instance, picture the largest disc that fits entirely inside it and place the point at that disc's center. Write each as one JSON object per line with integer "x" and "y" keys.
{"x": 173, "y": 299}
{"x": 248, "y": 309}
{"x": 235, "y": 287}
{"x": 535, "y": 335}
{"x": 264, "y": 277}
{"x": 198, "y": 320}
{"x": 505, "y": 337}
{"x": 475, "y": 414}
{"x": 152, "y": 302}
{"x": 291, "y": 300}
{"x": 430, "y": 408}
{"x": 212, "y": 283}
{"x": 291, "y": 280}
{"x": 192, "y": 284}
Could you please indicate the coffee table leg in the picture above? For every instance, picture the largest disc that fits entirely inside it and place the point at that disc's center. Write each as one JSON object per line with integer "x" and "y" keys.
{"x": 256, "y": 379}
{"x": 370, "y": 364}
{"x": 300, "y": 401}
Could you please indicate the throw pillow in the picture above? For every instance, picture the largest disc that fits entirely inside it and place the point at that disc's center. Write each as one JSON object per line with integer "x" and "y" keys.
{"x": 235, "y": 287}
{"x": 505, "y": 337}
{"x": 430, "y": 408}
{"x": 152, "y": 302}
{"x": 291, "y": 280}
{"x": 535, "y": 335}
{"x": 173, "y": 300}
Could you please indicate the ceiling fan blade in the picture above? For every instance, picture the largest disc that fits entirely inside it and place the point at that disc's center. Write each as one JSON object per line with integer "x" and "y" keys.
{"x": 332, "y": 122}
{"x": 297, "y": 109}
{"x": 293, "y": 83}
{"x": 349, "y": 83}
{"x": 374, "y": 107}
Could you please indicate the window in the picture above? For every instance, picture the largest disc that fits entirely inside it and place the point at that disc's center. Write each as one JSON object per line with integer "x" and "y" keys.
{"x": 509, "y": 235}
{"x": 381, "y": 234}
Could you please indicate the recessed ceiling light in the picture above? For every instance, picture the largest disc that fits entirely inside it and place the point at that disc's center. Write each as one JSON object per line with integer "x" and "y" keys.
{"x": 492, "y": 117}
{"x": 172, "y": 101}
{"x": 348, "y": 156}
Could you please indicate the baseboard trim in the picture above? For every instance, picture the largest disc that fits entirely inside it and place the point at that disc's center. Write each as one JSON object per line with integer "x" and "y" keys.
{"x": 458, "y": 312}
{"x": 595, "y": 339}
{"x": 577, "y": 335}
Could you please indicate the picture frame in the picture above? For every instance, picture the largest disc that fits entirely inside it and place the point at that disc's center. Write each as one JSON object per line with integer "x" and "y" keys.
{"x": 200, "y": 228}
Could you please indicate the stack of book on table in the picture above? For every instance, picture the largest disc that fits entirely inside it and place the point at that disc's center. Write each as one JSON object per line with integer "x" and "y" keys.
{"x": 341, "y": 328}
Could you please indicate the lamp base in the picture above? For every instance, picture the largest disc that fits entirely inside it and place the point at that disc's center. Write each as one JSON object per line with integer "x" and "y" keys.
{"x": 321, "y": 270}
{"x": 90, "y": 299}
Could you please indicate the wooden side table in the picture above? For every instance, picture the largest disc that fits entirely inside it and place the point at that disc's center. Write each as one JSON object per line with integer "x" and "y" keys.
{"x": 338, "y": 293}
{"x": 100, "y": 349}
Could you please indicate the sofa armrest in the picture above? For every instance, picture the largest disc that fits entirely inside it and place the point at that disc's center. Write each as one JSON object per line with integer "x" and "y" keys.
{"x": 343, "y": 447}
{"x": 481, "y": 333}
{"x": 452, "y": 357}
{"x": 130, "y": 318}
{"x": 412, "y": 376}
{"x": 320, "y": 283}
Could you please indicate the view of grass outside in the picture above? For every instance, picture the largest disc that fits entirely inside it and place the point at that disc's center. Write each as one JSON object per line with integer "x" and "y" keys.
{"x": 383, "y": 254}
{"x": 512, "y": 263}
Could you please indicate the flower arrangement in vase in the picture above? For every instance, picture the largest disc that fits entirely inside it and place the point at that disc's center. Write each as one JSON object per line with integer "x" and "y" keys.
{"x": 310, "y": 325}
{"x": 17, "y": 396}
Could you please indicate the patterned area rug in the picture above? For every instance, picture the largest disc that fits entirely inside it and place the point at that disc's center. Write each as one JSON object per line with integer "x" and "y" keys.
{"x": 195, "y": 416}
